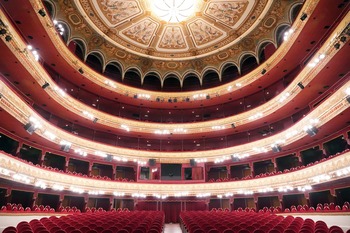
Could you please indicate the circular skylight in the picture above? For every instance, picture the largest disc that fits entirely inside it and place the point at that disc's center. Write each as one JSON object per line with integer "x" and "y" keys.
{"x": 173, "y": 11}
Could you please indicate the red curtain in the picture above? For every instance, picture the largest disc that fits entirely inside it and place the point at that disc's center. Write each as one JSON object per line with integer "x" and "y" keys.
{"x": 172, "y": 211}
{"x": 146, "y": 205}
{"x": 197, "y": 173}
{"x": 198, "y": 205}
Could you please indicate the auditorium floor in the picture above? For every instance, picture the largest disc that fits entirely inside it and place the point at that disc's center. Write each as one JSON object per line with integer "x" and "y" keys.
{"x": 172, "y": 228}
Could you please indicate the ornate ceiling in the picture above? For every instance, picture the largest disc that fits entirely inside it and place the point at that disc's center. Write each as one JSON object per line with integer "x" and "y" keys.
{"x": 155, "y": 36}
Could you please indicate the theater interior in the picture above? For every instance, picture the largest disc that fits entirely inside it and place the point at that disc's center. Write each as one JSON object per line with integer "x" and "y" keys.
{"x": 174, "y": 116}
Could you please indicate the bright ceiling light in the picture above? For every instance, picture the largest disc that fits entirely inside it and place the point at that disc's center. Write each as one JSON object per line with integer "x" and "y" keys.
{"x": 174, "y": 11}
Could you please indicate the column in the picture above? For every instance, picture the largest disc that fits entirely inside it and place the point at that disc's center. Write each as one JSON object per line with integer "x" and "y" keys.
{"x": 256, "y": 203}
{"x": 275, "y": 167}
{"x": 251, "y": 168}
{"x": 41, "y": 162}
{"x": 35, "y": 195}
{"x": 111, "y": 202}
{"x": 300, "y": 159}
{"x": 66, "y": 164}
{"x": 280, "y": 198}
{"x": 90, "y": 168}
{"x": 18, "y": 151}
{"x": 114, "y": 167}
{"x": 228, "y": 171}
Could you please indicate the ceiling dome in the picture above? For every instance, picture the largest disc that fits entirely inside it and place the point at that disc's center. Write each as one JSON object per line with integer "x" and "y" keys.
{"x": 174, "y": 36}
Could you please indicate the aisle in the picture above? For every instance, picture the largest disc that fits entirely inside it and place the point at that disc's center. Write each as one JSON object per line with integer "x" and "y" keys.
{"x": 172, "y": 228}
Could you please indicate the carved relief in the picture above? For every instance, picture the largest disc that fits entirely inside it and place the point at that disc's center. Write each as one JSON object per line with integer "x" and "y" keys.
{"x": 228, "y": 12}
{"x": 173, "y": 38}
{"x": 116, "y": 11}
{"x": 141, "y": 32}
{"x": 203, "y": 33}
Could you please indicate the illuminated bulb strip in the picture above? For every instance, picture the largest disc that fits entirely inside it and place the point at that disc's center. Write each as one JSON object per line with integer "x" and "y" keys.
{"x": 304, "y": 188}
{"x": 203, "y": 160}
{"x": 287, "y": 34}
{"x": 285, "y": 189}
{"x": 180, "y": 130}
{"x": 118, "y": 194}
{"x": 80, "y": 152}
{"x": 162, "y": 132}
{"x": 223, "y": 159}
{"x": 241, "y": 156}
{"x": 57, "y": 187}
{"x": 101, "y": 154}
{"x": 110, "y": 83}
{"x": 145, "y": 96}
{"x": 316, "y": 60}
{"x": 182, "y": 194}
{"x": 4, "y": 171}
{"x": 21, "y": 178}
{"x": 284, "y": 97}
{"x": 76, "y": 190}
{"x": 125, "y": 127}
{"x": 89, "y": 115}
{"x": 256, "y": 116}
{"x": 40, "y": 184}
{"x": 95, "y": 192}
{"x": 199, "y": 96}
{"x": 318, "y": 179}
{"x": 216, "y": 127}
{"x": 139, "y": 195}
{"x": 259, "y": 150}
{"x": 50, "y": 135}
{"x": 228, "y": 194}
{"x": 200, "y": 195}
{"x": 160, "y": 196}
{"x": 343, "y": 172}
{"x": 36, "y": 122}
{"x": 245, "y": 192}
{"x": 60, "y": 91}
{"x": 265, "y": 190}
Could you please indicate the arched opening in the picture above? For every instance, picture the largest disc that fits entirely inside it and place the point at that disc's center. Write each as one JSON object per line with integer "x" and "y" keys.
{"x": 171, "y": 84}
{"x": 280, "y": 33}
{"x": 114, "y": 72}
{"x": 265, "y": 51}
{"x": 95, "y": 61}
{"x": 78, "y": 48}
{"x": 248, "y": 64}
{"x": 132, "y": 78}
{"x": 50, "y": 8}
{"x": 191, "y": 83}
{"x": 152, "y": 82}
{"x": 295, "y": 11}
{"x": 211, "y": 79}
{"x": 229, "y": 73}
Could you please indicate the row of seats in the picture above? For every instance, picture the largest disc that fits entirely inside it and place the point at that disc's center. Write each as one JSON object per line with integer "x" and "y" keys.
{"x": 12, "y": 207}
{"x": 249, "y": 222}
{"x": 276, "y": 172}
{"x": 98, "y": 222}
